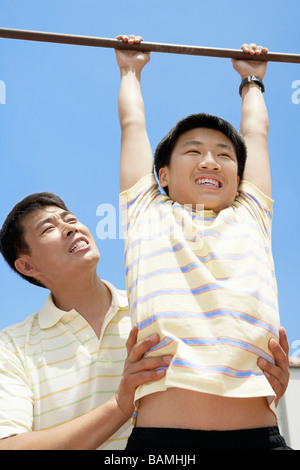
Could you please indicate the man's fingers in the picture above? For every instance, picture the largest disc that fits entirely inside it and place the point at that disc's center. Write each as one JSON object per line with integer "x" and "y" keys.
{"x": 271, "y": 370}
{"x": 147, "y": 376}
{"x": 279, "y": 354}
{"x": 275, "y": 377}
{"x": 132, "y": 338}
{"x": 149, "y": 371}
{"x": 147, "y": 364}
{"x": 138, "y": 350}
{"x": 150, "y": 364}
{"x": 284, "y": 341}
{"x": 278, "y": 373}
{"x": 154, "y": 362}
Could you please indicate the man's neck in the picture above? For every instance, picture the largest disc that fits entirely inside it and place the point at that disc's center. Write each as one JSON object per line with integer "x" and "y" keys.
{"x": 89, "y": 297}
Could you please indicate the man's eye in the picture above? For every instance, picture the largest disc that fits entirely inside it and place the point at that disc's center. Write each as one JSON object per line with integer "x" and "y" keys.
{"x": 47, "y": 229}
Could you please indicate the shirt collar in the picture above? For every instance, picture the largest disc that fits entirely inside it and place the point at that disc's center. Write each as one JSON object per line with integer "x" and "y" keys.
{"x": 119, "y": 297}
{"x": 49, "y": 314}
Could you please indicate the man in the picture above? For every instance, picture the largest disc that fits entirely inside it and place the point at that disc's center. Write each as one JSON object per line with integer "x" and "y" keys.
{"x": 61, "y": 370}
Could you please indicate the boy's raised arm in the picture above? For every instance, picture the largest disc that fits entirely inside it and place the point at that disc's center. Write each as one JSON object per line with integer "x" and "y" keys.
{"x": 136, "y": 154}
{"x": 254, "y": 120}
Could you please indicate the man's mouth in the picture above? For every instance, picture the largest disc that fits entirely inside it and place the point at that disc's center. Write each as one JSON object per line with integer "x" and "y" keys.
{"x": 78, "y": 245}
{"x": 208, "y": 183}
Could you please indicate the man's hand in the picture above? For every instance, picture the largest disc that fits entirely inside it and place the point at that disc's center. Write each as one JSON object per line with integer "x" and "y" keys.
{"x": 90, "y": 430}
{"x": 251, "y": 67}
{"x": 139, "y": 369}
{"x": 278, "y": 374}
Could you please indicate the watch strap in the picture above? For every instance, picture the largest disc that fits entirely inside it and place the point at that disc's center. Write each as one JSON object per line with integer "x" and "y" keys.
{"x": 252, "y": 78}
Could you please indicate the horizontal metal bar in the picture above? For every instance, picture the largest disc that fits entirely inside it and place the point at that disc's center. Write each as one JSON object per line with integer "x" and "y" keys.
{"x": 145, "y": 46}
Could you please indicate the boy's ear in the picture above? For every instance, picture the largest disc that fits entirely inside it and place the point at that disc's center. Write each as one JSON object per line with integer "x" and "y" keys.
{"x": 24, "y": 267}
{"x": 238, "y": 182}
{"x": 163, "y": 177}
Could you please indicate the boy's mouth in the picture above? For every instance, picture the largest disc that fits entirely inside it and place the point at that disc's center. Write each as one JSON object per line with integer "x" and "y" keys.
{"x": 208, "y": 183}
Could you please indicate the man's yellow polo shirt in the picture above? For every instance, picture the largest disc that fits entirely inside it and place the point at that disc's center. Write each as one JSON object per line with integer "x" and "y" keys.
{"x": 53, "y": 368}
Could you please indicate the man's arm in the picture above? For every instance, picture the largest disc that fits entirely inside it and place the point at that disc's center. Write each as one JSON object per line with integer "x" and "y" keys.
{"x": 136, "y": 154}
{"x": 90, "y": 431}
{"x": 254, "y": 121}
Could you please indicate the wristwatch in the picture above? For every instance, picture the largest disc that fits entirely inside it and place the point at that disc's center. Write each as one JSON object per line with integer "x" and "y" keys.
{"x": 252, "y": 78}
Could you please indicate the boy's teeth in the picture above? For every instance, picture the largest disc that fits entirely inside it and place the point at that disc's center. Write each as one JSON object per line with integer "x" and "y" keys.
{"x": 208, "y": 182}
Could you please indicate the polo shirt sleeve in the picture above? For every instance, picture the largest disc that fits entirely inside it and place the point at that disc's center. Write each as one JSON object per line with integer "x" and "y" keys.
{"x": 136, "y": 200}
{"x": 16, "y": 397}
{"x": 258, "y": 204}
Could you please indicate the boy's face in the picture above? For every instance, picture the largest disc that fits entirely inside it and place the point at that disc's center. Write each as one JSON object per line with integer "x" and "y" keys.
{"x": 203, "y": 170}
{"x": 59, "y": 246}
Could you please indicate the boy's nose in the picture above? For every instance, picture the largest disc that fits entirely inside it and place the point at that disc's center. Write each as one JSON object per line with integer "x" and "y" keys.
{"x": 208, "y": 162}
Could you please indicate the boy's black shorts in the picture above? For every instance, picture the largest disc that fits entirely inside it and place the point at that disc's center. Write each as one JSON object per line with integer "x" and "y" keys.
{"x": 176, "y": 440}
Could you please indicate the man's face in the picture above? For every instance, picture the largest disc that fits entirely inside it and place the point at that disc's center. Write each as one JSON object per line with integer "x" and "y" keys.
{"x": 203, "y": 170}
{"x": 59, "y": 245}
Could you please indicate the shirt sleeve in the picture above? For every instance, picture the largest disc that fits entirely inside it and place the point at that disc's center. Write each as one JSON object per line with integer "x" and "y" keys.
{"x": 258, "y": 204}
{"x": 16, "y": 397}
{"x": 137, "y": 199}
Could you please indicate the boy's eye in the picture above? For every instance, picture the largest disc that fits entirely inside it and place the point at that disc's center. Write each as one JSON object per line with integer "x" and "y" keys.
{"x": 224, "y": 155}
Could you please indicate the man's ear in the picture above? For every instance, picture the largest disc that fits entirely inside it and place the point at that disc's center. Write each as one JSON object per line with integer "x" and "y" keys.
{"x": 163, "y": 176}
{"x": 24, "y": 266}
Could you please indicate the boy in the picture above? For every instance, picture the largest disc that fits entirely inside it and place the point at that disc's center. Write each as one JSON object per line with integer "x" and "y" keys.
{"x": 199, "y": 268}
{"x": 65, "y": 381}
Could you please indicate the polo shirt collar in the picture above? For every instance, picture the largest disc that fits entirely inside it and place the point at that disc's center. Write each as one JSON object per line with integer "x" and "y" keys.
{"x": 119, "y": 297}
{"x": 49, "y": 314}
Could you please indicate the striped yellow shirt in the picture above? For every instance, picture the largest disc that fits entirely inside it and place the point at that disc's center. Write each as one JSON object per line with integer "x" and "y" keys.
{"x": 205, "y": 283}
{"x": 53, "y": 368}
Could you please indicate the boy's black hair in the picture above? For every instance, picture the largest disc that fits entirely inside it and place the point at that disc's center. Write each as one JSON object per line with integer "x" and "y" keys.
{"x": 164, "y": 149}
{"x": 12, "y": 233}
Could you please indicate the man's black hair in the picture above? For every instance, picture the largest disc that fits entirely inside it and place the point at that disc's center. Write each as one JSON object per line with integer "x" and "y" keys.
{"x": 12, "y": 233}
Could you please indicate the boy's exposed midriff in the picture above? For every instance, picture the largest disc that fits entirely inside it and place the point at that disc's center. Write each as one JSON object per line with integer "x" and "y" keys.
{"x": 179, "y": 408}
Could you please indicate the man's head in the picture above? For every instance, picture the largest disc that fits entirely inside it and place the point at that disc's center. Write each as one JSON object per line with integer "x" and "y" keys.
{"x": 201, "y": 145}
{"x": 41, "y": 238}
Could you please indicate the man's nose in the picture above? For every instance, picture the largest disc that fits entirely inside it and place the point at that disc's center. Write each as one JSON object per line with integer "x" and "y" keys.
{"x": 69, "y": 229}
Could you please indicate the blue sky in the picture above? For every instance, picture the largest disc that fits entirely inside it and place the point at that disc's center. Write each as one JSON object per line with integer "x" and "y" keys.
{"x": 59, "y": 128}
